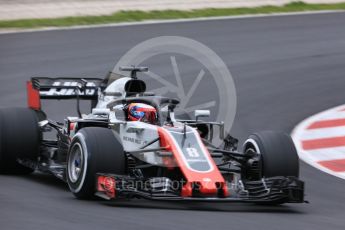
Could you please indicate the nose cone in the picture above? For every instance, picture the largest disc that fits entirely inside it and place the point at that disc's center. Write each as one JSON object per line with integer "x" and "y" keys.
{"x": 205, "y": 188}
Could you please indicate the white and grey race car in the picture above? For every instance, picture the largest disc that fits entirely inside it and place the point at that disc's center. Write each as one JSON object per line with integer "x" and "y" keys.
{"x": 105, "y": 154}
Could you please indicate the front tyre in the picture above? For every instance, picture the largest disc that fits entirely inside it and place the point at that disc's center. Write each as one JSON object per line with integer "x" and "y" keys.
{"x": 277, "y": 151}
{"x": 93, "y": 150}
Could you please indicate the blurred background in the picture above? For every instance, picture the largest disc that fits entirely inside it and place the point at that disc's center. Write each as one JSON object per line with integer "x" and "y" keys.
{"x": 25, "y": 9}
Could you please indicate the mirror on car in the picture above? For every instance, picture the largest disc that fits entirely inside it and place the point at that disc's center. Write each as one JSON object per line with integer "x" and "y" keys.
{"x": 201, "y": 113}
{"x": 43, "y": 123}
{"x": 100, "y": 111}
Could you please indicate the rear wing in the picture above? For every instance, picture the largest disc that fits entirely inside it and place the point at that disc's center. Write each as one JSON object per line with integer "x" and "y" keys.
{"x": 63, "y": 88}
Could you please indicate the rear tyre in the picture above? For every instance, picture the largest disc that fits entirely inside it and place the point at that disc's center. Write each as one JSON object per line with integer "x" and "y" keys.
{"x": 278, "y": 153}
{"x": 93, "y": 150}
{"x": 19, "y": 139}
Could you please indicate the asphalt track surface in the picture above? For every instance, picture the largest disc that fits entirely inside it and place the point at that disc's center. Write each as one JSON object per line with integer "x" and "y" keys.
{"x": 285, "y": 69}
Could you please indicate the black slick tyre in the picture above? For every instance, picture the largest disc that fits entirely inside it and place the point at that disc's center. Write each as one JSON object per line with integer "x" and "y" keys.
{"x": 19, "y": 139}
{"x": 93, "y": 150}
{"x": 278, "y": 153}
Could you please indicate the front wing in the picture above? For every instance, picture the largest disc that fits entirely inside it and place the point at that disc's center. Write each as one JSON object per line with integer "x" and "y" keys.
{"x": 267, "y": 190}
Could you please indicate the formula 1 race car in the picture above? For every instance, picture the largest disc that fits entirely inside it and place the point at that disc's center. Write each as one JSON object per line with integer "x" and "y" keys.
{"x": 132, "y": 146}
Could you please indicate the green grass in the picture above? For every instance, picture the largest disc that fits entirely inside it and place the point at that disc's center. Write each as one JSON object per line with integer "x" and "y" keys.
{"x": 133, "y": 16}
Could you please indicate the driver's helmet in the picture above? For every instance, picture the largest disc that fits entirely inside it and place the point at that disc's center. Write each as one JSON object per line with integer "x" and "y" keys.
{"x": 142, "y": 112}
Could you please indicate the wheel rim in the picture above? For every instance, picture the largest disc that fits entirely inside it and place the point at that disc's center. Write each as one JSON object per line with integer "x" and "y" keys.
{"x": 250, "y": 150}
{"x": 75, "y": 162}
{"x": 250, "y": 147}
